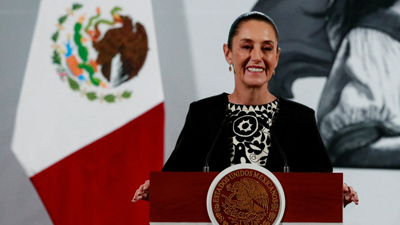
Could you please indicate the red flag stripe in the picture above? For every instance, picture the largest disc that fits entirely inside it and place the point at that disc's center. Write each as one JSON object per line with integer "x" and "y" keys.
{"x": 95, "y": 184}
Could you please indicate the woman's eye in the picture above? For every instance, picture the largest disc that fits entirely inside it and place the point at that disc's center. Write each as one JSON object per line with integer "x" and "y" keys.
{"x": 267, "y": 49}
{"x": 246, "y": 47}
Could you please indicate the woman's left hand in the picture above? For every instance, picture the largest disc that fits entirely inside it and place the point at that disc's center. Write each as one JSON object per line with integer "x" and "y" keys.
{"x": 349, "y": 195}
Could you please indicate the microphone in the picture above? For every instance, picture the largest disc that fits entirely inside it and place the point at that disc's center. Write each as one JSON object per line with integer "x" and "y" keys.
{"x": 286, "y": 168}
{"x": 206, "y": 168}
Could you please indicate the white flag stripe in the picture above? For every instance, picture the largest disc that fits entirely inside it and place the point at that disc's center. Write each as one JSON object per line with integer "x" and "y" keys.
{"x": 52, "y": 120}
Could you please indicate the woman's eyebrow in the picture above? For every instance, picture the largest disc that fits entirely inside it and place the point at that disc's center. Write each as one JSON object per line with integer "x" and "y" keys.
{"x": 251, "y": 41}
{"x": 247, "y": 40}
{"x": 268, "y": 42}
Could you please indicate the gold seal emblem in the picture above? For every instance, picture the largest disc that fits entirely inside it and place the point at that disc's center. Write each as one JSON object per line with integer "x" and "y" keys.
{"x": 246, "y": 196}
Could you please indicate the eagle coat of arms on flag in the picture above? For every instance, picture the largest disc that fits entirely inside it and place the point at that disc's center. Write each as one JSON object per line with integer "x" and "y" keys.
{"x": 95, "y": 53}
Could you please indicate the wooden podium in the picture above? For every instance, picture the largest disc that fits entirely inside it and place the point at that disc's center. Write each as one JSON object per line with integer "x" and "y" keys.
{"x": 180, "y": 197}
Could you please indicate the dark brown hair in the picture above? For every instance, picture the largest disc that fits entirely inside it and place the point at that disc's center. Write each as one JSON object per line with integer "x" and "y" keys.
{"x": 247, "y": 17}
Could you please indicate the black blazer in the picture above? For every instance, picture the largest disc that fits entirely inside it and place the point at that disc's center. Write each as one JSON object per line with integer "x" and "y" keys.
{"x": 293, "y": 125}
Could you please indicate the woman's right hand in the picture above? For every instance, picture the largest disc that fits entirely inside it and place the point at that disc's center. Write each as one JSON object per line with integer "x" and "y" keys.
{"x": 142, "y": 192}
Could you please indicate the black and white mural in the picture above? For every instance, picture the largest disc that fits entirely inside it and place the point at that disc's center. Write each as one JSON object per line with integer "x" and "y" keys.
{"x": 356, "y": 46}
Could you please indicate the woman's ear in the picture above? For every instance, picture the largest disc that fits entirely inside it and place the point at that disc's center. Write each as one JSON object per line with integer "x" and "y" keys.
{"x": 278, "y": 52}
{"x": 228, "y": 54}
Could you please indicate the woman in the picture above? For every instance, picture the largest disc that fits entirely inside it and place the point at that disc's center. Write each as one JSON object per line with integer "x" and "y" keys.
{"x": 250, "y": 125}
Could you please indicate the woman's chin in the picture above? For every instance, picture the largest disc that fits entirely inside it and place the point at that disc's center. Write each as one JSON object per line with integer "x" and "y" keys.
{"x": 255, "y": 81}
{"x": 256, "y": 84}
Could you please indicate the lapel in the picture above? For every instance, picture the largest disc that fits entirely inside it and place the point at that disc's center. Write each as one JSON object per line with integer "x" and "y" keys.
{"x": 279, "y": 125}
{"x": 220, "y": 158}
{"x": 279, "y": 122}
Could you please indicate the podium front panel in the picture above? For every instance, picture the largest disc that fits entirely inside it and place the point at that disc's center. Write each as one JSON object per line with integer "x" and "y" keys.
{"x": 180, "y": 197}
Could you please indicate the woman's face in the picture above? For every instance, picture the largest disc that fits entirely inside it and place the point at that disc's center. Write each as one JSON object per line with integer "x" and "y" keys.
{"x": 254, "y": 54}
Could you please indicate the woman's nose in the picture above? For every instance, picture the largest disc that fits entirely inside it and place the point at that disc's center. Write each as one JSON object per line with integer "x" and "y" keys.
{"x": 256, "y": 55}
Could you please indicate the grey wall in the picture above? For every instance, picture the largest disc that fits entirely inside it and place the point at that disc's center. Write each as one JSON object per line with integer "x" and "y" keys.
{"x": 176, "y": 66}
{"x": 19, "y": 202}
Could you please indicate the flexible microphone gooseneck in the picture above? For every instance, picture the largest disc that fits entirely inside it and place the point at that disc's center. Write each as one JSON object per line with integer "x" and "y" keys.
{"x": 286, "y": 168}
{"x": 206, "y": 168}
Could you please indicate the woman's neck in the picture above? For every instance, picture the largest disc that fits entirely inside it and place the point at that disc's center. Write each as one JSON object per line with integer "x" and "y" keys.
{"x": 251, "y": 96}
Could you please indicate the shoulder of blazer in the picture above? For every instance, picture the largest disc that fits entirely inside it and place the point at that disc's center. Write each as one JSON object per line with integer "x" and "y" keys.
{"x": 290, "y": 115}
{"x": 293, "y": 109}
{"x": 213, "y": 104}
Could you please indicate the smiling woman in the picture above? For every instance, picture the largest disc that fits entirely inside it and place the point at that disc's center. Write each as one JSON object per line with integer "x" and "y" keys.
{"x": 250, "y": 125}
{"x": 253, "y": 51}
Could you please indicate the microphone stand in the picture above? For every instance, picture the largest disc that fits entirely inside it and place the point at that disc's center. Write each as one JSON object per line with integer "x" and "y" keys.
{"x": 286, "y": 168}
{"x": 206, "y": 168}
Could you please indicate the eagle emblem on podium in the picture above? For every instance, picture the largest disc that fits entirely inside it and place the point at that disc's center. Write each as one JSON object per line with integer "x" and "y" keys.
{"x": 245, "y": 194}
{"x": 251, "y": 199}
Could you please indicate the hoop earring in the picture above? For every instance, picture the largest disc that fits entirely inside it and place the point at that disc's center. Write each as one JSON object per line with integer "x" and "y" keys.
{"x": 230, "y": 67}
{"x": 273, "y": 73}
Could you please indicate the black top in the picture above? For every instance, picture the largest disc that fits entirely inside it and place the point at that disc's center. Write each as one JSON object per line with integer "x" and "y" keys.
{"x": 294, "y": 127}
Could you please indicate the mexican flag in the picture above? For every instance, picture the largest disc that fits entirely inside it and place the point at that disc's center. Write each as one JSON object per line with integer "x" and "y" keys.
{"x": 90, "y": 120}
